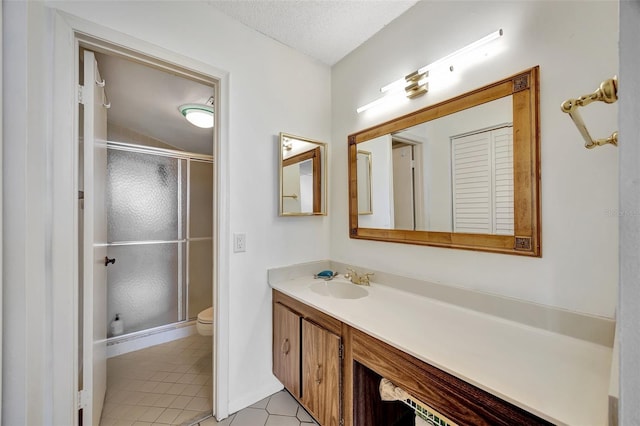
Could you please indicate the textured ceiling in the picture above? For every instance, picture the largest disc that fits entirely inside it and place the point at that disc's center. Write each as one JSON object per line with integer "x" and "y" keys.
{"x": 146, "y": 100}
{"x": 326, "y": 30}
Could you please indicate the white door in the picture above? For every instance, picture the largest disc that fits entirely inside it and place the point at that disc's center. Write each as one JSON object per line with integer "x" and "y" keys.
{"x": 94, "y": 280}
{"x": 403, "y": 187}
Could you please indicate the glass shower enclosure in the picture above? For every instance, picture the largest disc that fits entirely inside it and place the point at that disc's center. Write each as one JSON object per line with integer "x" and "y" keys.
{"x": 160, "y": 231}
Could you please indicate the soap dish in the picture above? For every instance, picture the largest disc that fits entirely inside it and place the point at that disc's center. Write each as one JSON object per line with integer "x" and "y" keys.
{"x": 325, "y": 275}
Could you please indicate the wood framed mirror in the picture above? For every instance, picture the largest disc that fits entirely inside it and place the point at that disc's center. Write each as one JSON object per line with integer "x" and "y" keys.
{"x": 302, "y": 169}
{"x": 463, "y": 173}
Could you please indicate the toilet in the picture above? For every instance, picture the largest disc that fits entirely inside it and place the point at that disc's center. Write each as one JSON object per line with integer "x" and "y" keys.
{"x": 204, "y": 324}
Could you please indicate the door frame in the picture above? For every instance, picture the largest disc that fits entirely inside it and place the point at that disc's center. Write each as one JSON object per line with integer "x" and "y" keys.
{"x": 68, "y": 31}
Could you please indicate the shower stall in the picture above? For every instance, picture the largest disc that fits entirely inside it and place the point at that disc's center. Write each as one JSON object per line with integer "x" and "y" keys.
{"x": 160, "y": 233}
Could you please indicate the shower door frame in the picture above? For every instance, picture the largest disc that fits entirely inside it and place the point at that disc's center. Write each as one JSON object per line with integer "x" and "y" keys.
{"x": 183, "y": 260}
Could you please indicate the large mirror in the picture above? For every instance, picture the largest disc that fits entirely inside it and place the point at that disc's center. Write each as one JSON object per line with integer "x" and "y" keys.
{"x": 462, "y": 174}
{"x": 302, "y": 168}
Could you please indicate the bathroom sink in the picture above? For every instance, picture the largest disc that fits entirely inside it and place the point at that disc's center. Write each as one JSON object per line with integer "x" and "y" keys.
{"x": 338, "y": 289}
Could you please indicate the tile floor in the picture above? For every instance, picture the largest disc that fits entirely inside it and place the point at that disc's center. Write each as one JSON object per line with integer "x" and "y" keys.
{"x": 170, "y": 384}
{"x": 161, "y": 385}
{"x": 279, "y": 409}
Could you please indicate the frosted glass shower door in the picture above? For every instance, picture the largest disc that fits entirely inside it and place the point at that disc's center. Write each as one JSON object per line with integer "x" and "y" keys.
{"x": 146, "y": 234}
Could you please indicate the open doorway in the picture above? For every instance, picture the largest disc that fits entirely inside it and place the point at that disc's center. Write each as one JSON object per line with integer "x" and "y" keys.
{"x": 146, "y": 240}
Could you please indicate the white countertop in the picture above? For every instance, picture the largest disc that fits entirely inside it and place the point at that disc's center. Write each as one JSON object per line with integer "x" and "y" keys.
{"x": 561, "y": 379}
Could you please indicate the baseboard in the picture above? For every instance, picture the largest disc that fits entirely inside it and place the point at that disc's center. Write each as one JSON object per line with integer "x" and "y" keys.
{"x": 135, "y": 343}
{"x": 253, "y": 397}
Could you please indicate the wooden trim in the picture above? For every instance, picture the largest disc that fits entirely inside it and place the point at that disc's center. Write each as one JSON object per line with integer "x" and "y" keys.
{"x": 347, "y": 376}
{"x": 353, "y": 186}
{"x": 462, "y": 402}
{"x": 315, "y": 156}
{"x": 526, "y": 137}
{"x": 488, "y": 93}
{"x": 299, "y": 158}
{"x": 317, "y": 181}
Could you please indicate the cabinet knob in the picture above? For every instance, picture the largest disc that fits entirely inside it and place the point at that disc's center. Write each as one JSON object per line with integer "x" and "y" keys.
{"x": 318, "y": 374}
{"x": 286, "y": 346}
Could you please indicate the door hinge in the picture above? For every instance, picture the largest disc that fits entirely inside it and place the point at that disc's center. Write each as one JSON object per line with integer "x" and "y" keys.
{"x": 81, "y": 94}
{"x": 82, "y": 399}
{"x": 341, "y": 351}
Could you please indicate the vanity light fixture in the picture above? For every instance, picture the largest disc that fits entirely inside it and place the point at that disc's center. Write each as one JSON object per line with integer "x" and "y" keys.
{"x": 287, "y": 144}
{"x": 200, "y": 115}
{"x": 415, "y": 84}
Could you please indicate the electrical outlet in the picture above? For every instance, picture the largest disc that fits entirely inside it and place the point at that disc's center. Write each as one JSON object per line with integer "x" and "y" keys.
{"x": 239, "y": 243}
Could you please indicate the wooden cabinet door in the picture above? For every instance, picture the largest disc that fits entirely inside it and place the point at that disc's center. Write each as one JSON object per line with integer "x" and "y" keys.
{"x": 321, "y": 373}
{"x": 286, "y": 348}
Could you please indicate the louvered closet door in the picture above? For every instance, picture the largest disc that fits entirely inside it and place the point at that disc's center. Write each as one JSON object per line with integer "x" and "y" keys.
{"x": 503, "y": 181}
{"x": 482, "y": 175}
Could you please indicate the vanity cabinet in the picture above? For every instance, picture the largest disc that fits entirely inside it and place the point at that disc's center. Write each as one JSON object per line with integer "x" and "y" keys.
{"x": 334, "y": 371}
{"x": 307, "y": 347}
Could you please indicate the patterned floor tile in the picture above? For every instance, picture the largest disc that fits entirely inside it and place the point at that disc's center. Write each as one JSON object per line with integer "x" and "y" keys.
{"x": 164, "y": 384}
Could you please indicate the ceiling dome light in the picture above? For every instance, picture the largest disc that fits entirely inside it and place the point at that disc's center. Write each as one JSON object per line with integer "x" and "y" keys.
{"x": 197, "y": 114}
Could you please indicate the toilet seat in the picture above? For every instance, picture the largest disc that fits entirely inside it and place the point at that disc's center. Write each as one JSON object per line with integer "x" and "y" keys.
{"x": 206, "y": 316}
{"x": 204, "y": 324}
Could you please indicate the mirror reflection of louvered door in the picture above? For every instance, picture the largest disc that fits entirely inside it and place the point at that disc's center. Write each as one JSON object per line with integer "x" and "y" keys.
{"x": 286, "y": 348}
{"x": 482, "y": 179}
{"x": 321, "y": 373}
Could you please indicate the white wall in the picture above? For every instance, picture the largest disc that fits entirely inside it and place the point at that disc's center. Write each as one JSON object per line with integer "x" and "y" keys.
{"x": 381, "y": 184}
{"x": 268, "y": 93}
{"x": 629, "y": 314}
{"x": 578, "y": 270}
{"x": 26, "y": 335}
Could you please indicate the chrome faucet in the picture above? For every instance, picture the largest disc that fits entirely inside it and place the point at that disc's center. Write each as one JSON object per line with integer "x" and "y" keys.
{"x": 355, "y": 278}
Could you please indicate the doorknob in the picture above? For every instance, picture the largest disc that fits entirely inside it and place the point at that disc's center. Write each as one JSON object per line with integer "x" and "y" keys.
{"x": 108, "y": 261}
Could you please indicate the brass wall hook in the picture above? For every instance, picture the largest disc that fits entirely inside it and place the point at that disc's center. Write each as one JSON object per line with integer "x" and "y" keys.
{"x": 607, "y": 93}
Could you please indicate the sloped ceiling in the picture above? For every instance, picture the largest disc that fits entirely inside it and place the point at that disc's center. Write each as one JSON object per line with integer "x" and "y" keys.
{"x": 146, "y": 100}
